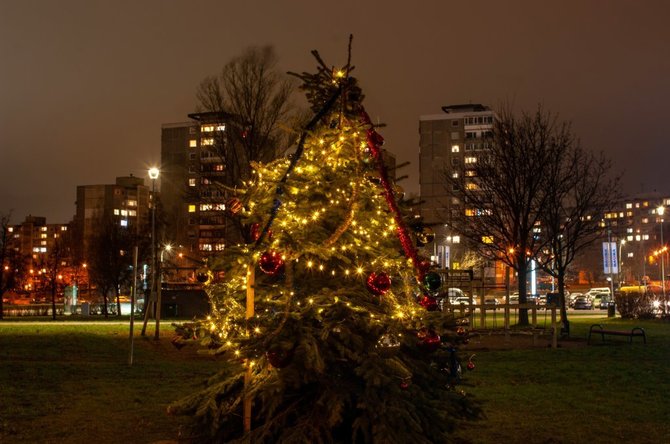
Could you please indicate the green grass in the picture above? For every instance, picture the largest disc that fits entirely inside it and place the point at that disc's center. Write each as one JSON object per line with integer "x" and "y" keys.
{"x": 604, "y": 393}
{"x": 71, "y": 383}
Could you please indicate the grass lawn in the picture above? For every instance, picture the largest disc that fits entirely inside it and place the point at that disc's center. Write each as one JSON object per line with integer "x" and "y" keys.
{"x": 71, "y": 383}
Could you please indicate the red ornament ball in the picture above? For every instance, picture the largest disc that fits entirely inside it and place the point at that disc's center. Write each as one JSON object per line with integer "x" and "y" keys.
{"x": 378, "y": 283}
{"x": 471, "y": 365}
{"x": 234, "y": 205}
{"x": 429, "y": 303}
{"x": 404, "y": 384}
{"x": 461, "y": 331}
{"x": 279, "y": 358}
{"x": 428, "y": 340}
{"x": 271, "y": 262}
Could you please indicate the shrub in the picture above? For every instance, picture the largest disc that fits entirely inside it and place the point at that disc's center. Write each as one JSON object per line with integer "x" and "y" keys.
{"x": 635, "y": 304}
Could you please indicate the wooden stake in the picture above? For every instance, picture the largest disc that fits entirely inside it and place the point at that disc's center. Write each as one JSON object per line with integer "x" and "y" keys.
{"x": 247, "y": 375}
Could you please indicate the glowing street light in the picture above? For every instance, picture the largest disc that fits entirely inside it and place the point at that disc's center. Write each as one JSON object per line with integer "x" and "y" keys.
{"x": 660, "y": 210}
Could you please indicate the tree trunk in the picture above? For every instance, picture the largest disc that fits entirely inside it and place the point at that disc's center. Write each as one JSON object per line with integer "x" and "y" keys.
{"x": 564, "y": 312}
{"x": 522, "y": 269}
{"x": 53, "y": 301}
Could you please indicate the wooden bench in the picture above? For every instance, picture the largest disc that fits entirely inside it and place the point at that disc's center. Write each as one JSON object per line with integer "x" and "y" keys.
{"x": 635, "y": 331}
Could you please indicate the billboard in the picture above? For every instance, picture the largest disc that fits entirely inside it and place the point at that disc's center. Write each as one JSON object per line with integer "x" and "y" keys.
{"x": 610, "y": 258}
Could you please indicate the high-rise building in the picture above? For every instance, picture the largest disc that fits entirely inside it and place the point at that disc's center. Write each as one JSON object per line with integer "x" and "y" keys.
{"x": 192, "y": 174}
{"x": 449, "y": 143}
{"x": 127, "y": 202}
{"x": 32, "y": 242}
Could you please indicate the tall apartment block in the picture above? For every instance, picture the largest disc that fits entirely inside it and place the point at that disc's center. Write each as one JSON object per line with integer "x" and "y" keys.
{"x": 449, "y": 142}
{"x": 128, "y": 202}
{"x": 191, "y": 173}
{"x": 33, "y": 241}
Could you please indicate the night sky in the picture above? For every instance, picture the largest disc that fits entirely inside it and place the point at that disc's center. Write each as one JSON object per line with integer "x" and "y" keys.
{"x": 85, "y": 85}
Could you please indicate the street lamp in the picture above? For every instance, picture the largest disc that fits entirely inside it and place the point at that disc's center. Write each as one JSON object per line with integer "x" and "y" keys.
{"x": 153, "y": 175}
{"x": 660, "y": 210}
{"x": 622, "y": 276}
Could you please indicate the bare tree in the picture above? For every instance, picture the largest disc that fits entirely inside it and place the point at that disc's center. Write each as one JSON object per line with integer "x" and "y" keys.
{"x": 580, "y": 194}
{"x": 111, "y": 261}
{"x": 506, "y": 190}
{"x": 4, "y": 226}
{"x": 53, "y": 265}
{"x": 254, "y": 98}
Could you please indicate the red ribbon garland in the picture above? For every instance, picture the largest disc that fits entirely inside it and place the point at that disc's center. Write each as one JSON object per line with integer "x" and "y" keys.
{"x": 375, "y": 141}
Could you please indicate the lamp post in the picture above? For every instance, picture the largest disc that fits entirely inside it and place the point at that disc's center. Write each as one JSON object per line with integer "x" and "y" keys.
{"x": 661, "y": 210}
{"x": 622, "y": 275}
{"x": 153, "y": 175}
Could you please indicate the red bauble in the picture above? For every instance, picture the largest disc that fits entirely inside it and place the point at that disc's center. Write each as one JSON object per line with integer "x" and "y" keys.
{"x": 271, "y": 262}
{"x": 378, "y": 283}
{"x": 234, "y": 205}
{"x": 461, "y": 331}
{"x": 279, "y": 358}
{"x": 428, "y": 340}
{"x": 404, "y": 384}
{"x": 429, "y": 303}
{"x": 254, "y": 232}
{"x": 471, "y": 365}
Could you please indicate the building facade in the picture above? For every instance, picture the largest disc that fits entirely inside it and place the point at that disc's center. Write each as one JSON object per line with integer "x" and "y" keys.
{"x": 192, "y": 174}
{"x": 448, "y": 144}
{"x": 128, "y": 202}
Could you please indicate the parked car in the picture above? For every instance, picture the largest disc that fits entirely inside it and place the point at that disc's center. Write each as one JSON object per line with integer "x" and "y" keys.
{"x": 461, "y": 300}
{"x": 573, "y": 297}
{"x": 455, "y": 293}
{"x": 490, "y": 300}
{"x": 582, "y": 303}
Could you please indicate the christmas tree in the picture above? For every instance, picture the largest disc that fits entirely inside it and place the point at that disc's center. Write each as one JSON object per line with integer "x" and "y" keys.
{"x": 328, "y": 315}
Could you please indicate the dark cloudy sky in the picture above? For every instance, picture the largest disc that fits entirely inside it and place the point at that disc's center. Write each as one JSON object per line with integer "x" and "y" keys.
{"x": 86, "y": 84}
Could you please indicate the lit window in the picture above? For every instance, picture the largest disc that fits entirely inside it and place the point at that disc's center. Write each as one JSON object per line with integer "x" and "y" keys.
{"x": 470, "y": 173}
{"x": 124, "y": 223}
{"x": 456, "y": 239}
{"x": 206, "y": 247}
{"x": 132, "y": 213}
{"x": 629, "y": 230}
{"x": 36, "y": 249}
{"x": 124, "y": 212}
{"x": 208, "y": 142}
{"x": 629, "y": 206}
{"x": 43, "y": 249}
{"x": 470, "y": 160}
{"x": 221, "y": 128}
{"x": 629, "y": 213}
{"x": 454, "y": 175}
{"x": 191, "y": 208}
{"x": 621, "y": 214}
{"x": 218, "y": 167}
{"x": 487, "y": 239}
{"x": 645, "y": 220}
{"x": 207, "y": 128}
{"x": 471, "y": 186}
{"x": 206, "y": 207}
{"x": 469, "y": 212}
{"x": 132, "y": 203}
{"x": 43, "y": 242}
{"x": 116, "y": 212}
{"x": 43, "y": 229}
{"x": 63, "y": 228}
{"x": 192, "y": 143}
{"x": 43, "y": 235}
{"x": 455, "y": 149}
{"x": 191, "y": 182}
{"x": 10, "y": 229}
{"x": 631, "y": 254}
{"x": 645, "y": 237}
{"x": 219, "y": 247}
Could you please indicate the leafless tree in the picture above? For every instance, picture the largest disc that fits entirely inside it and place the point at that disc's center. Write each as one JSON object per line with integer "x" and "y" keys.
{"x": 506, "y": 191}
{"x": 111, "y": 261}
{"x": 582, "y": 191}
{"x": 53, "y": 264}
{"x": 254, "y": 97}
{"x": 4, "y": 226}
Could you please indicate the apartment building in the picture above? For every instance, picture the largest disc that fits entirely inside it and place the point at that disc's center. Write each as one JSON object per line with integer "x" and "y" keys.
{"x": 192, "y": 171}
{"x": 128, "y": 202}
{"x": 449, "y": 143}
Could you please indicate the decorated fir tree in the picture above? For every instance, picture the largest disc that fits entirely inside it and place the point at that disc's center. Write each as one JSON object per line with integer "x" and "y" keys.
{"x": 327, "y": 314}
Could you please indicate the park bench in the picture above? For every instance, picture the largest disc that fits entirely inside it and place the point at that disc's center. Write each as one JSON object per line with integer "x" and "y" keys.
{"x": 635, "y": 331}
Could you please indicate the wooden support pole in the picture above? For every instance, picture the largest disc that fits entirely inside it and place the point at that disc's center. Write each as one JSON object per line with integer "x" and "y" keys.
{"x": 247, "y": 375}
